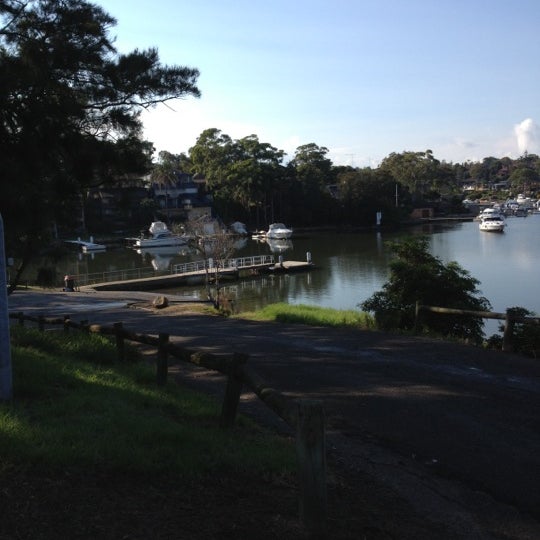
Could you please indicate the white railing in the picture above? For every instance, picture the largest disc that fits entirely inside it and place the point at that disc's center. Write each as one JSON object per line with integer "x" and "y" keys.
{"x": 238, "y": 263}
{"x": 196, "y": 266}
{"x": 114, "y": 275}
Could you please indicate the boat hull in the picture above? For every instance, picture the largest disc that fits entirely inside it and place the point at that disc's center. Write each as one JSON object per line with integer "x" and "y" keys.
{"x": 492, "y": 227}
{"x": 160, "y": 242}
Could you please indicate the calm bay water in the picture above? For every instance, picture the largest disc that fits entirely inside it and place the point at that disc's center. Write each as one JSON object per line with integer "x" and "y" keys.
{"x": 350, "y": 267}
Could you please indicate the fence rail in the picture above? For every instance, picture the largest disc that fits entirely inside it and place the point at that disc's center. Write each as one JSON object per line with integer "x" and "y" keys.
{"x": 510, "y": 318}
{"x": 237, "y": 263}
{"x": 115, "y": 275}
{"x": 183, "y": 268}
{"x": 306, "y": 417}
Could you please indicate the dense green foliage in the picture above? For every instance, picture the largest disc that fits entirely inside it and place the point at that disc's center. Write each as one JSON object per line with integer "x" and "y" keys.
{"x": 418, "y": 276}
{"x": 69, "y": 115}
{"x": 525, "y": 336}
{"x": 75, "y": 406}
{"x": 250, "y": 182}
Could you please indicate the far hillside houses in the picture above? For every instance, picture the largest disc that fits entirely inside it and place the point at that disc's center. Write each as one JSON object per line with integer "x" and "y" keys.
{"x": 133, "y": 203}
{"x": 183, "y": 200}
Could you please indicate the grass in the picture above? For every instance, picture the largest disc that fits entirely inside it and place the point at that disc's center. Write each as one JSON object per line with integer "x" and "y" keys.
{"x": 311, "y": 315}
{"x": 75, "y": 406}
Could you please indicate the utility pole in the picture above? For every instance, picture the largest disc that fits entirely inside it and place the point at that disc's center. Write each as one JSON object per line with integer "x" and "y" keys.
{"x": 6, "y": 382}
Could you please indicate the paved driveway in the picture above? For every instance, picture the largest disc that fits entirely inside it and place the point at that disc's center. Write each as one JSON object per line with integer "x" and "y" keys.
{"x": 453, "y": 430}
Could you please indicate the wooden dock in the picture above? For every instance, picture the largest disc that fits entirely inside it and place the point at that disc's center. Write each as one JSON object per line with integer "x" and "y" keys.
{"x": 198, "y": 272}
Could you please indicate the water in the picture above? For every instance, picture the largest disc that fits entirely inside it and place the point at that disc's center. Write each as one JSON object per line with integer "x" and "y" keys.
{"x": 351, "y": 267}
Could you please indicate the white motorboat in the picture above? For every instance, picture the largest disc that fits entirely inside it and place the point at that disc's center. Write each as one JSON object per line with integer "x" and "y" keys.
{"x": 489, "y": 212}
{"x": 278, "y": 231}
{"x": 493, "y": 223}
{"x": 88, "y": 247}
{"x": 160, "y": 235}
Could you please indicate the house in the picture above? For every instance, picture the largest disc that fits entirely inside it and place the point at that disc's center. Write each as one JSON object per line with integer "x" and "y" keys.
{"x": 185, "y": 199}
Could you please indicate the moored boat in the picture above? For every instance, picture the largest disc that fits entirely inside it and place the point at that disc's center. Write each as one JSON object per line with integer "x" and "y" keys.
{"x": 278, "y": 231}
{"x": 493, "y": 223}
{"x": 160, "y": 235}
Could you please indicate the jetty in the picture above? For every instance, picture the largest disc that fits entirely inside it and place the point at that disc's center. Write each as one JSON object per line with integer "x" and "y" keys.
{"x": 192, "y": 273}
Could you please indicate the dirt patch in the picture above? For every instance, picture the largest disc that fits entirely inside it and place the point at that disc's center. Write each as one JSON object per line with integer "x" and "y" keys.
{"x": 179, "y": 308}
{"x": 90, "y": 505}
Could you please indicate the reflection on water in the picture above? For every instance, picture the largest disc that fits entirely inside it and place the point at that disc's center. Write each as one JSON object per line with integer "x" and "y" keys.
{"x": 161, "y": 258}
{"x": 351, "y": 267}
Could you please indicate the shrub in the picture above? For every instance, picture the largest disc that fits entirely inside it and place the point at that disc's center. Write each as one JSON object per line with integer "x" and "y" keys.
{"x": 418, "y": 276}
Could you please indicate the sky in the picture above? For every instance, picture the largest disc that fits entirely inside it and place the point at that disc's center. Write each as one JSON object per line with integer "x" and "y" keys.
{"x": 362, "y": 78}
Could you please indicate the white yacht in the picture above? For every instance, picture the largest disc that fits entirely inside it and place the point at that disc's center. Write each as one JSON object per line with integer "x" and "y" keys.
{"x": 278, "y": 231}
{"x": 492, "y": 222}
{"x": 160, "y": 235}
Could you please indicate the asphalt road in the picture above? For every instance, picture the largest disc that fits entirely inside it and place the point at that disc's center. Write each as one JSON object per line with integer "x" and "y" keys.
{"x": 451, "y": 429}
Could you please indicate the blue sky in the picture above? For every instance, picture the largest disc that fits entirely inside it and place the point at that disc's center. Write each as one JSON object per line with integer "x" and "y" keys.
{"x": 363, "y": 78}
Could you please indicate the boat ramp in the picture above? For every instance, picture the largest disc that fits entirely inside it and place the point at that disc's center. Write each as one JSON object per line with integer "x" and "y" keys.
{"x": 197, "y": 272}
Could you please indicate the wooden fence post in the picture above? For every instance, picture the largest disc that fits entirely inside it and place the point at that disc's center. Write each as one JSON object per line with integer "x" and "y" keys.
{"x": 119, "y": 335}
{"x": 66, "y": 323}
{"x": 311, "y": 455}
{"x": 417, "y": 318}
{"x": 508, "y": 332}
{"x": 232, "y": 391}
{"x": 20, "y": 316}
{"x": 162, "y": 353}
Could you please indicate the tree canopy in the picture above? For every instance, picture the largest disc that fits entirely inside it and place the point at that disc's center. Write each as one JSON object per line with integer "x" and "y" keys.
{"x": 418, "y": 276}
{"x": 243, "y": 175}
{"x": 70, "y": 112}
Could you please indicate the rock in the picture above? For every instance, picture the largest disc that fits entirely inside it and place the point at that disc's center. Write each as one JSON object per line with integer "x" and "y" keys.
{"x": 160, "y": 302}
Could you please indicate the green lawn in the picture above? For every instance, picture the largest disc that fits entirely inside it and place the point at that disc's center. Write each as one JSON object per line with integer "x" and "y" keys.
{"x": 74, "y": 405}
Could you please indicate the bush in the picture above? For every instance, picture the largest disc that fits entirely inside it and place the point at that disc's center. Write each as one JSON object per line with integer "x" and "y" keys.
{"x": 418, "y": 276}
{"x": 525, "y": 337}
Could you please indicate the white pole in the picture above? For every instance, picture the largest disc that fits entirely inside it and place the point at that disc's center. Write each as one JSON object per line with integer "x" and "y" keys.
{"x": 6, "y": 382}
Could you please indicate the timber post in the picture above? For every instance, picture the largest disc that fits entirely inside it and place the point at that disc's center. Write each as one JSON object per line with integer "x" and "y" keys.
{"x": 66, "y": 323}
{"x": 311, "y": 455}
{"x": 232, "y": 390}
{"x": 119, "y": 335}
{"x": 162, "y": 367}
{"x": 417, "y": 309}
{"x": 508, "y": 331}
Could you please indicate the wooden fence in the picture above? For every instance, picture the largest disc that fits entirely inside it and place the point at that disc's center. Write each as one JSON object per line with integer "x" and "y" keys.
{"x": 306, "y": 417}
{"x": 509, "y": 317}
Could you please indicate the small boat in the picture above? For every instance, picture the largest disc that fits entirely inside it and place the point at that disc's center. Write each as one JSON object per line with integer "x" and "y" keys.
{"x": 278, "y": 231}
{"x": 160, "y": 236}
{"x": 87, "y": 246}
{"x": 493, "y": 223}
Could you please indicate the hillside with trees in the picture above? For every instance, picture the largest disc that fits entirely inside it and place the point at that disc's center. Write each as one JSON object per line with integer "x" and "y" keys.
{"x": 70, "y": 124}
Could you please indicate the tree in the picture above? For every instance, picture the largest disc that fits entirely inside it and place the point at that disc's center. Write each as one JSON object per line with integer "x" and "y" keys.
{"x": 364, "y": 192}
{"x": 313, "y": 175}
{"x": 523, "y": 178}
{"x": 216, "y": 246}
{"x": 418, "y": 276}
{"x": 241, "y": 174}
{"x": 417, "y": 171}
{"x": 70, "y": 113}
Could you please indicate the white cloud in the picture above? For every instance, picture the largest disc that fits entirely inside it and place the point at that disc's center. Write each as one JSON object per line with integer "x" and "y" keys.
{"x": 527, "y": 136}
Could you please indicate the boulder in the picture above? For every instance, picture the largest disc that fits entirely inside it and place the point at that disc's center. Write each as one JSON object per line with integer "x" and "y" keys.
{"x": 160, "y": 302}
